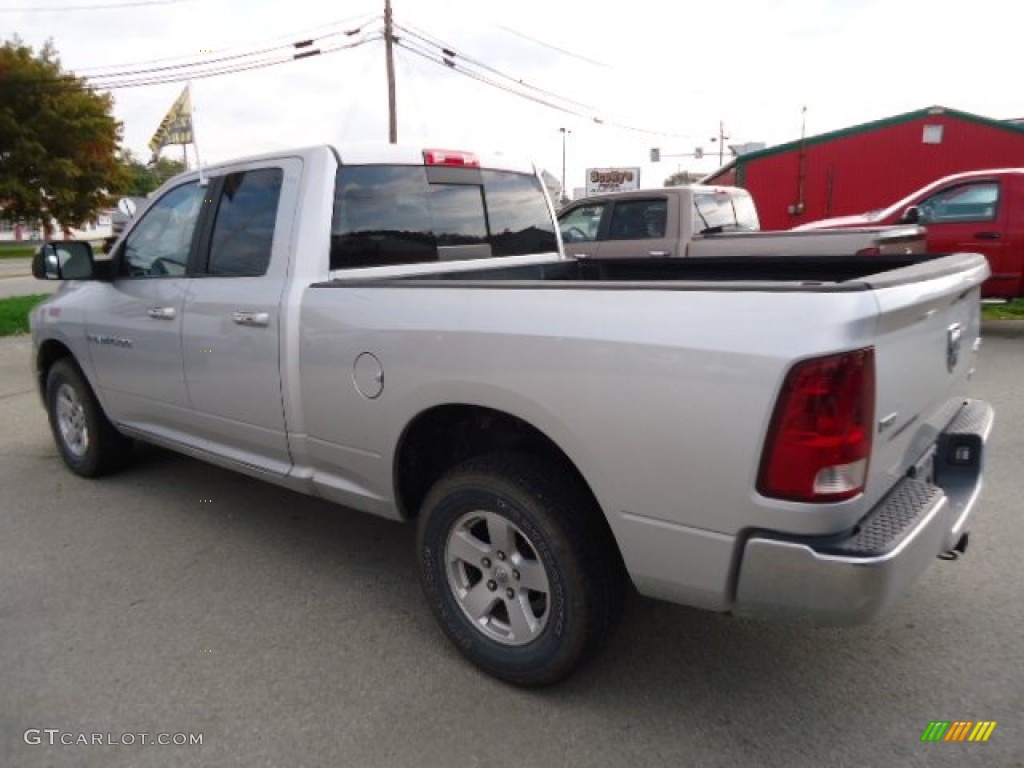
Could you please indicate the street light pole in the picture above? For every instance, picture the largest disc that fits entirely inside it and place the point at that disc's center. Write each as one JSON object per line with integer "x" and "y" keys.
{"x": 565, "y": 197}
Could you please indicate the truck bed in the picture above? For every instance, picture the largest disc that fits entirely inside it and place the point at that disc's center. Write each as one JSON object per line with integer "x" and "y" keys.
{"x": 786, "y": 273}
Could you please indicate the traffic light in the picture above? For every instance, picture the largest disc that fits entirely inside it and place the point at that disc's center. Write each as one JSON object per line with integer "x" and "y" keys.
{"x": 655, "y": 154}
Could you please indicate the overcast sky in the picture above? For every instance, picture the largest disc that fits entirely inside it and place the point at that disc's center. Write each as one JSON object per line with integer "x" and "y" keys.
{"x": 647, "y": 74}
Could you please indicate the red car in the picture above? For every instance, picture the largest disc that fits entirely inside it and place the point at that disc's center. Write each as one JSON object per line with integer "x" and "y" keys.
{"x": 977, "y": 211}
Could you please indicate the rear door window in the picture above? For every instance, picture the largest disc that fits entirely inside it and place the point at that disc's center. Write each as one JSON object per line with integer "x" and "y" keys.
{"x": 638, "y": 219}
{"x": 392, "y": 214}
{"x": 243, "y": 230}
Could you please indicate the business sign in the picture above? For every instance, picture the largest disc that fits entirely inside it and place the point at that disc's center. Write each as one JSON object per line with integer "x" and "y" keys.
{"x": 600, "y": 180}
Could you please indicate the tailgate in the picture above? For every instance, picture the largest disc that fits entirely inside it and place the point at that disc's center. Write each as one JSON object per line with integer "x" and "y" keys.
{"x": 927, "y": 336}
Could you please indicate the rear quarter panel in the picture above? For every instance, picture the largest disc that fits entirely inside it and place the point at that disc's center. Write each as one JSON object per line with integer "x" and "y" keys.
{"x": 660, "y": 397}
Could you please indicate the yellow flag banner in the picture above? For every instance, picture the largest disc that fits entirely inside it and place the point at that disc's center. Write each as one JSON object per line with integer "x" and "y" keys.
{"x": 176, "y": 127}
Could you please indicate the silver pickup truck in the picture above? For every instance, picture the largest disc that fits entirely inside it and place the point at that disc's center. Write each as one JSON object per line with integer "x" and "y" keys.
{"x": 398, "y": 331}
{"x": 703, "y": 221}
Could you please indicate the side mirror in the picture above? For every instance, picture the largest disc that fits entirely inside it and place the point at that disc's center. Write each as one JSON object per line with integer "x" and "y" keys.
{"x": 71, "y": 260}
{"x": 911, "y": 216}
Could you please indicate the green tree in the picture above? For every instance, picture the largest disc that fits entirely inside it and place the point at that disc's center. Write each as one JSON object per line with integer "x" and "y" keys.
{"x": 139, "y": 179}
{"x": 58, "y": 140}
{"x": 682, "y": 177}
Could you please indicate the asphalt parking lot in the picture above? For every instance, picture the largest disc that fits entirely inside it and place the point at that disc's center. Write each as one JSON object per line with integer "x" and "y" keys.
{"x": 177, "y": 598}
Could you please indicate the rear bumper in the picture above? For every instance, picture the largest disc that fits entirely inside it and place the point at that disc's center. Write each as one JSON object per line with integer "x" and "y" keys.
{"x": 853, "y": 578}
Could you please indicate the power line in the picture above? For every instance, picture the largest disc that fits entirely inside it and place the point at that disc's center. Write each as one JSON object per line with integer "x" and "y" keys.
{"x": 450, "y": 54}
{"x": 363, "y": 19}
{"x": 230, "y": 70}
{"x": 192, "y": 71}
{"x": 98, "y": 79}
{"x": 98, "y": 7}
{"x": 541, "y": 43}
{"x": 447, "y": 57}
{"x": 429, "y": 56}
{"x": 298, "y": 45}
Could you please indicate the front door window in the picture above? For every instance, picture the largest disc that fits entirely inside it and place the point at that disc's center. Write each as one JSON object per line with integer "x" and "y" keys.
{"x": 966, "y": 202}
{"x": 160, "y": 243}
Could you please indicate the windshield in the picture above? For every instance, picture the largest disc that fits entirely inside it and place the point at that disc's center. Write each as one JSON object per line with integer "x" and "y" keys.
{"x": 724, "y": 211}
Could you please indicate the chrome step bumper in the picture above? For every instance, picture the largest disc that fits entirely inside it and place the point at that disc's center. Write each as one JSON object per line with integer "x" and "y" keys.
{"x": 852, "y": 579}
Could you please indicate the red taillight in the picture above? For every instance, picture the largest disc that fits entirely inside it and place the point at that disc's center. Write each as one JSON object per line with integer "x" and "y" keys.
{"x": 450, "y": 157}
{"x": 872, "y": 251}
{"x": 819, "y": 440}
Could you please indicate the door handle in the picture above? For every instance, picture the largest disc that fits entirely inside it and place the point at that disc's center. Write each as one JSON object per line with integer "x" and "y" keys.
{"x": 162, "y": 313}
{"x": 987, "y": 235}
{"x": 252, "y": 319}
{"x": 659, "y": 254}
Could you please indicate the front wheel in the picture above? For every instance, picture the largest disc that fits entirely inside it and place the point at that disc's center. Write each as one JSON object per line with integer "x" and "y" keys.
{"x": 87, "y": 441}
{"x": 519, "y": 567}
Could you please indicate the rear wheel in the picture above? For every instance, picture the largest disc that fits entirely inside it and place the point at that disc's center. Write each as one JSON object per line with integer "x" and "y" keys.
{"x": 519, "y": 567}
{"x": 87, "y": 441}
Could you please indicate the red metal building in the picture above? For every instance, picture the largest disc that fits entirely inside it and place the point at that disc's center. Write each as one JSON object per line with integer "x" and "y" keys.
{"x": 871, "y": 165}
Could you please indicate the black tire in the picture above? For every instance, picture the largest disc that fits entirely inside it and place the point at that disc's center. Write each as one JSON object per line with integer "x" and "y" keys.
{"x": 87, "y": 441}
{"x": 553, "y": 529}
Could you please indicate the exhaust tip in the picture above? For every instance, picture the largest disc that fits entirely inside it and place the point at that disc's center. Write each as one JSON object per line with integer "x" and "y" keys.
{"x": 961, "y": 545}
{"x": 958, "y": 549}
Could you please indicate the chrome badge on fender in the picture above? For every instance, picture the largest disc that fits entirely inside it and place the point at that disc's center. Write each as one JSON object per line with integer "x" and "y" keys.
{"x": 113, "y": 341}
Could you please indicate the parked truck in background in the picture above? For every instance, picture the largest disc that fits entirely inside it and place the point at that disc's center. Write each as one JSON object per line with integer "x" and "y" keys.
{"x": 707, "y": 221}
{"x": 397, "y": 330}
{"x": 977, "y": 211}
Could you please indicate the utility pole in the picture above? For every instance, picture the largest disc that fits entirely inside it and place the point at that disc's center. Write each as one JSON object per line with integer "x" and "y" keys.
{"x": 388, "y": 39}
{"x": 565, "y": 132}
